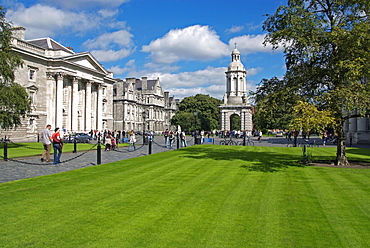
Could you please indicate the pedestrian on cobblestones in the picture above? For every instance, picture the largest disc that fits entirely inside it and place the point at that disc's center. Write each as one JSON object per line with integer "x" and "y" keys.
{"x": 57, "y": 145}
{"x": 46, "y": 141}
{"x": 132, "y": 140}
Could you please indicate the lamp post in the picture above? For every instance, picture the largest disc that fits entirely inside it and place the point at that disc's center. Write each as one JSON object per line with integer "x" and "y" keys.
{"x": 195, "y": 126}
{"x": 144, "y": 115}
{"x": 195, "y": 121}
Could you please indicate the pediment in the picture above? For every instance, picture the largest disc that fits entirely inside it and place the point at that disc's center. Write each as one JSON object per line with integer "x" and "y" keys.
{"x": 86, "y": 60}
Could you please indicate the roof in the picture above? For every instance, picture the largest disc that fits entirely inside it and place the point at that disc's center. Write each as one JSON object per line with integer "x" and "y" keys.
{"x": 150, "y": 84}
{"x": 49, "y": 44}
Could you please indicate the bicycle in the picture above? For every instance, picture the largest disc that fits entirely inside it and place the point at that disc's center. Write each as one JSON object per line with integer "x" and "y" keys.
{"x": 248, "y": 142}
{"x": 229, "y": 142}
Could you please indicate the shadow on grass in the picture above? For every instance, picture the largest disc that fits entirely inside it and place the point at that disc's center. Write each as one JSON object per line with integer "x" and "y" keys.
{"x": 251, "y": 158}
{"x": 359, "y": 151}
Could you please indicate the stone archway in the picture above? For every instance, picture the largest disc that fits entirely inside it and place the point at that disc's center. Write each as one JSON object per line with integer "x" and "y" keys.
{"x": 235, "y": 122}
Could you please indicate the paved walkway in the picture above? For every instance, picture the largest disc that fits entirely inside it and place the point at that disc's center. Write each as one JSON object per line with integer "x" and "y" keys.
{"x": 28, "y": 167}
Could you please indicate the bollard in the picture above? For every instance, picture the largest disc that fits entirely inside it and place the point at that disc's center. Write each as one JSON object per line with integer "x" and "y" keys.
{"x": 98, "y": 153}
{"x": 5, "y": 150}
{"x": 150, "y": 146}
{"x": 178, "y": 141}
{"x": 74, "y": 145}
{"x": 244, "y": 140}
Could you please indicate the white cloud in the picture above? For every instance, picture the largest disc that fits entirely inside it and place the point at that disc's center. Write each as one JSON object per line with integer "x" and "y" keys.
{"x": 254, "y": 71}
{"x": 111, "y": 46}
{"x": 73, "y": 4}
{"x": 121, "y": 38}
{"x": 210, "y": 81}
{"x": 248, "y": 44}
{"x": 215, "y": 91}
{"x": 105, "y": 13}
{"x": 234, "y": 29}
{"x": 192, "y": 43}
{"x": 50, "y": 20}
{"x": 110, "y": 55}
{"x": 129, "y": 66}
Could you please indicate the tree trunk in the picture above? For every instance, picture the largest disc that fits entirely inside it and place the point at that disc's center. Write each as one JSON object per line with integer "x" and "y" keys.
{"x": 341, "y": 159}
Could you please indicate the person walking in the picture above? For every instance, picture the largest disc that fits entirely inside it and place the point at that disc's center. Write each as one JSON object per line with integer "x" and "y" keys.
{"x": 171, "y": 138}
{"x": 183, "y": 139}
{"x": 46, "y": 141}
{"x": 132, "y": 140}
{"x": 166, "y": 137}
{"x": 57, "y": 145}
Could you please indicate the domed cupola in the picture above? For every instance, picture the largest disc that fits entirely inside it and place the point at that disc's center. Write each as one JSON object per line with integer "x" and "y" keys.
{"x": 235, "y": 64}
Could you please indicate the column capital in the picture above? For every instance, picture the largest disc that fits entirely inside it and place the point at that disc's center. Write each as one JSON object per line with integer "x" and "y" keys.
{"x": 50, "y": 75}
{"x": 60, "y": 75}
{"x": 76, "y": 79}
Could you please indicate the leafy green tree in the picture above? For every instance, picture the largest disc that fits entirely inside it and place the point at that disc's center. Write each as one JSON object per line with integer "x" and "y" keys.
{"x": 14, "y": 100}
{"x": 307, "y": 117}
{"x": 208, "y": 113}
{"x": 274, "y": 102}
{"x": 327, "y": 50}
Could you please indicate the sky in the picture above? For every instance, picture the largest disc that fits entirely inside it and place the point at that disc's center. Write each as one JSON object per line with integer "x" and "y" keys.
{"x": 186, "y": 43}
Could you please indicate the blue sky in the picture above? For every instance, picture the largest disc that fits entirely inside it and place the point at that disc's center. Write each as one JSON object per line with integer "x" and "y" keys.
{"x": 186, "y": 43}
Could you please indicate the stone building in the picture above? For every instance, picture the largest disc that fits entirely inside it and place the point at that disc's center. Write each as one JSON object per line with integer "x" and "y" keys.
{"x": 357, "y": 131}
{"x": 133, "y": 96}
{"x": 69, "y": 90}
{"x": 235, "y": 100}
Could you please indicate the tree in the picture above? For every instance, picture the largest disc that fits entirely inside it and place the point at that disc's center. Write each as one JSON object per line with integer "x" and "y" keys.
{"x": 327, "y": 50}
{"x": 208, "y": 114}
{"x": 14, "y": 100}
{"x": 307, "y": 117}
{"x": 274, "y": 102}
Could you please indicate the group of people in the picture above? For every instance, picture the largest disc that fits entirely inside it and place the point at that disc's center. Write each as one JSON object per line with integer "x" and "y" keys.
{"x": 49, "y": 139}
{"x": 170, "y": 136}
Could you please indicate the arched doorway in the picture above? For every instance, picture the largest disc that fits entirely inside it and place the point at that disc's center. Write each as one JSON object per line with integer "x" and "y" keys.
{"x": 234, "y": 122}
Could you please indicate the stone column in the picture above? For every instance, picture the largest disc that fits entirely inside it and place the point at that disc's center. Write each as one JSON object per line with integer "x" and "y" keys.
{"x": 74, "y": 115}
{"x": 88, "y": 107}
{"x": 99, "y": 112}
{"x": 361, "y": 130}
{"x": 59, "y": 100}
{"x": 50, "y": 99}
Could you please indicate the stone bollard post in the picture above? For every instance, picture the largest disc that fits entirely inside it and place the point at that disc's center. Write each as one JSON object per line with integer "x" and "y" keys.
{"x": 98, "y": 152}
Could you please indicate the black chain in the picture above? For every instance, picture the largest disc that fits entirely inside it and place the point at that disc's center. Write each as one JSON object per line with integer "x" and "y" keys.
{"x": 65, "y": 161}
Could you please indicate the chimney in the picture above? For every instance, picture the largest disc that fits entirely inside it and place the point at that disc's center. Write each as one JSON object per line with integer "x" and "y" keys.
{"x": 18, "y": 32}
{"x": 144, "y": 81}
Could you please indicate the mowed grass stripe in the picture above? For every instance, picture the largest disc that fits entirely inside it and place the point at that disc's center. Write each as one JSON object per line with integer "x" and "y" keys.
{"x": 184, "y": 211}
{"x": 202, "y": 196}
{"x": 92, "y": 198}
{"x": 345, "y": 206}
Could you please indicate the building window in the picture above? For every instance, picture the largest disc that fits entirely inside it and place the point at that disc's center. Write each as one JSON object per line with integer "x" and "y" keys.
{"x": 31, "y": 94}
{"x": 103, "y": 107}
{"x": 103, "y": 91}
{"x": 32, "y": 74}
{"x": 367, "y": 124}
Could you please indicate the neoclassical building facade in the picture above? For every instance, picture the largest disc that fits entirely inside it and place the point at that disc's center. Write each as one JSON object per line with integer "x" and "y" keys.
{"x": 357, "y": 130}
{"x": 69, "y": 90}
{"x": 134, "y": 96}
{"x": 235, "y": 100}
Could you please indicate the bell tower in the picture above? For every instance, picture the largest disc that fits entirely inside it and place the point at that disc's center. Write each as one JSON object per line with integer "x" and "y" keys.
{"x": 235, "y": 101}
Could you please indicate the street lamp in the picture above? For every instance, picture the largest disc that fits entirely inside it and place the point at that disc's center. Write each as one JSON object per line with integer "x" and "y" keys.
{"x": 195, "y": 121}
{"x": 144, "y": 115}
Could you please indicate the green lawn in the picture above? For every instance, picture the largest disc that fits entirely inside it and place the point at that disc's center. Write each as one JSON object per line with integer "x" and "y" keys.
{"x": 16, "y": 150}
{"x": 200, "y": 196}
